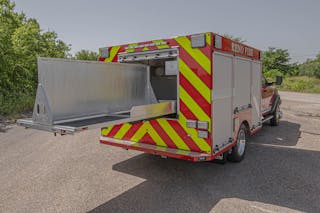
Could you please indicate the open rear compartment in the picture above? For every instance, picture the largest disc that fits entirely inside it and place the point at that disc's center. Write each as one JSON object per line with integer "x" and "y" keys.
{"x": 163, "y": 66}
{"x": 183, "y": 134}
{"x": 77, "y": 95}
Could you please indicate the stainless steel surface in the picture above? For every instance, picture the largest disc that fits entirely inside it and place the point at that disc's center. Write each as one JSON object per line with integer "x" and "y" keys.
{"x": 147, "y": 55}
{"x": 104, "y": 52}
{"x": 241, "y": 142}
{"x": 191, "y": 124}
{"x": 155, "y": 147}
{"x": 198, "y": 41}
{"x": 222, "y": 97}
{"x": 92, "y": 94}
{"x": 203, "y": 125}
{"x": 217, "y": 41}
{"x": 137, "y": 113}
{"x": 71, "y": 89}
{"x": 171, "y": 67}
{"x": 203, "y": 134}
{"x": 267, "y": 118}
{"x": 75, "y": 89}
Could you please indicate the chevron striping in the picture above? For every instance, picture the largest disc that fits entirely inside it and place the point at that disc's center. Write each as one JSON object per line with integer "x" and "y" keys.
{"x": 175, "y": 137}
{"x": 195, "y": 53}
{"x": 113, "y": 52}
{"x": 192, "y": 105}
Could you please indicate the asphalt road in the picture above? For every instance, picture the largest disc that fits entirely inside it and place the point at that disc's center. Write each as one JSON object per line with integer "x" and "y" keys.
{"x": 281, "y": 172}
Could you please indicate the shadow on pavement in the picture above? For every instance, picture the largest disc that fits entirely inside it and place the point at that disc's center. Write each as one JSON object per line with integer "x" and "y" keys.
{"x": 274, "y": 175}
{"x": 286, "y": 134}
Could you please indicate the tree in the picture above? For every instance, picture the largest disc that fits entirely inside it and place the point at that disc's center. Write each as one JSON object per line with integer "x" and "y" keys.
{"x": 310, "y": 68}
{"x": 277, "y": 59}
{"x": 86, "y": 55}
{"x": 21, "y": 42}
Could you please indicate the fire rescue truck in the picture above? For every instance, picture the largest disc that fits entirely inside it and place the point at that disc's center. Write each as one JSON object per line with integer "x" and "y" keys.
{"x": 196, "y": 97}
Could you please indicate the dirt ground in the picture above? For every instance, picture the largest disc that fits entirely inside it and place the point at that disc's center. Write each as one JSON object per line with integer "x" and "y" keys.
{"x": 280, "y": 173}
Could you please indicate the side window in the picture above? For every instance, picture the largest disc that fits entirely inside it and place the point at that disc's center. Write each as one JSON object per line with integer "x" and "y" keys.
{"x": 263, "y": 81}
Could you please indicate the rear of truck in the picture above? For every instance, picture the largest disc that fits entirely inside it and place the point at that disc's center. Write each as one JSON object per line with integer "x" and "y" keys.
{"x": 216, "y": 84}
{"x": 181, "y": 72}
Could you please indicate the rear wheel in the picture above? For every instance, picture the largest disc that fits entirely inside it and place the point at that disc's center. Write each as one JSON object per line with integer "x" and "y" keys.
{"x": 239, "y": 150}
{"x": 276, "y": 117}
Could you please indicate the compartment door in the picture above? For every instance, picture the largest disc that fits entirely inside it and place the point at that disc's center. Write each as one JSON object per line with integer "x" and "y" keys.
{"x": 256, "y": 93}
{"x": 222, "y": 99}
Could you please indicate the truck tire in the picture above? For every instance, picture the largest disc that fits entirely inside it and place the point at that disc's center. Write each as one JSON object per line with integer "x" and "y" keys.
{"x": 276, "y": 117}
{"x": 239, "y": 150}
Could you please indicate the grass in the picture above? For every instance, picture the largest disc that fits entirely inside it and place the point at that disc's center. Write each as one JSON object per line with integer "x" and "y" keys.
{"x": 300, "y": 84}
{"x": 12, "y": 106}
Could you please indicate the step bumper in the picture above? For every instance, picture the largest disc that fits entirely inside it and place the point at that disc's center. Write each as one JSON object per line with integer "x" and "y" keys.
{"x": 157, "y": 150}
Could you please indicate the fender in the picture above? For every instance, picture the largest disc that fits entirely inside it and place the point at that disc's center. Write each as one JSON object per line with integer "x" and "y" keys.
{"x": 275, "y": 102}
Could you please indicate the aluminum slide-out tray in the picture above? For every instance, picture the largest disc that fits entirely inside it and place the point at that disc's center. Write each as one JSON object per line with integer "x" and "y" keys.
{"x": 137, "y": 113}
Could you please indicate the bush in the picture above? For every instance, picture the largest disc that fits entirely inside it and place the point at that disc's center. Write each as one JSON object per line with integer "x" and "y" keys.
{"x": 271, "y": 74}
{"x": 301, "y": 84}
{"x": 15, "y": 103}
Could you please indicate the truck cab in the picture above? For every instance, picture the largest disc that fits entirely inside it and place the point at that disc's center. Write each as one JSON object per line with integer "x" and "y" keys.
{"x": 270, "y": 99}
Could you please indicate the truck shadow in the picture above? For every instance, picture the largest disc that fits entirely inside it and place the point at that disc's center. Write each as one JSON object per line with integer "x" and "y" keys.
{"x": 286, "y": 134}
{"x": 276, "y": 175}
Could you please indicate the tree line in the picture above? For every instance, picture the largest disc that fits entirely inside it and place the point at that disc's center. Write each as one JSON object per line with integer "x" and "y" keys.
{"x": 276, "y": 61}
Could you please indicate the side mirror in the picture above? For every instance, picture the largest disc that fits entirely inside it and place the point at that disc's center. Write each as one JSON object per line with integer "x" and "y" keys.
{"x": 278, "y": 80}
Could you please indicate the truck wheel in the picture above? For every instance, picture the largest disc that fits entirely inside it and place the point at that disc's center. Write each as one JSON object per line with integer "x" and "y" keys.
{"x": 238, "y": 151}
{"x": 276, "y": 117}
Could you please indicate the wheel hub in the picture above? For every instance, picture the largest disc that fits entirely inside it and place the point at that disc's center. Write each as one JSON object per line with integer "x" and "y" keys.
{"x": 241, "y": 142}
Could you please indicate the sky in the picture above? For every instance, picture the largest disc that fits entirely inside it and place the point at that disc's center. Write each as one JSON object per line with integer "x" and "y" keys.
{"x": 91, "y": 24}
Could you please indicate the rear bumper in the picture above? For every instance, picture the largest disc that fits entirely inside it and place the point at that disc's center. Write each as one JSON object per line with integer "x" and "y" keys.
{"x": 158, "y": 150}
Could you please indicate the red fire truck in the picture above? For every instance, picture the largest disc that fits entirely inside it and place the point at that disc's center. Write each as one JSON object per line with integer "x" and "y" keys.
{"x": 196, "y": 97}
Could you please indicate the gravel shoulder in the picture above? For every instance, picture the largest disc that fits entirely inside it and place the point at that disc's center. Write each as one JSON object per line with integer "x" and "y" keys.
{"x": 43, "y": 173}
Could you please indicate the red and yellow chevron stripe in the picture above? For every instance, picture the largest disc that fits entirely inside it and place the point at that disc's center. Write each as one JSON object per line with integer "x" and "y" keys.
{"x": 195, "y": 84}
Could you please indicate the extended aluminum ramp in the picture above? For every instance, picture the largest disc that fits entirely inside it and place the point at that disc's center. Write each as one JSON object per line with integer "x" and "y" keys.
{"x": 76, "y": 95}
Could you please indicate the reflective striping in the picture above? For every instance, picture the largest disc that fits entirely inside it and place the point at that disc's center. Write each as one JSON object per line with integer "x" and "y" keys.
{"x": 105, "y": 131}
{"x": 114, "y": 130}
{"x": 162, "y": 133}
{"x": 164, "y": 46}
{"x": 195, "y": 53}
{"x": 147, "y": 139}
{"x": 122, "y": 131}
{"x": 113, "y": 52}
{"x": 208, "y": 38}
{"x": 195, "y": 80}
{"x": 140, "y": 133}
{"x": 202, "y": 143}
{"x": 184, "y": 135}
{"x": 196, "y": 68}
{"x": 173, "y": 134}
{"x": 195, "y": 95}
{"x": 130, "y": 50}
{"x": 133, "y": 129}
{"x": 186, "y": 111}
{"x": 155, "y": 136}
{"x": 193, "y": 106}
{"x": 146, "y": 128}
{"x": 145, "y": 49}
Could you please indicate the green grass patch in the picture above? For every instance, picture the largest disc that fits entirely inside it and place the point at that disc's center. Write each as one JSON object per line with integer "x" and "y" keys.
{"x": 12, "y": 105}
{"x": 300, "y": 84}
